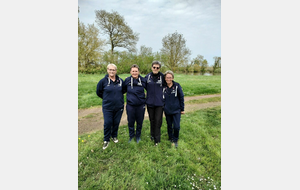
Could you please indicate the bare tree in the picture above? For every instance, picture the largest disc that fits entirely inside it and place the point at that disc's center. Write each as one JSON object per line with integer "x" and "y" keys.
{"x": 175, "y": 49}
{"x": 114, "y": 25}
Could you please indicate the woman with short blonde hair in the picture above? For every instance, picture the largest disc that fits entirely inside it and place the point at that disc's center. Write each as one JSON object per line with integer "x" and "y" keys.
{"x": 110, "y": 90}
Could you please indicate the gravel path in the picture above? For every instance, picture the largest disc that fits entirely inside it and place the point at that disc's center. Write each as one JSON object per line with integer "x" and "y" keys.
{"x": 91, "y": 119}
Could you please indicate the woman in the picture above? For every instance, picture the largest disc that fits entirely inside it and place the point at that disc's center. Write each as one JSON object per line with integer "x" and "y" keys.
{"x": 135, "y": 107}
{"x": 110, "y": 90}
{"x": 174, "y": 106}
{"x": 154, "y": 100}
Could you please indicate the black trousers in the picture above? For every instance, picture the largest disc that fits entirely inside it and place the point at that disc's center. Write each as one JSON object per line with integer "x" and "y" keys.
{"x": 155, "y": 117}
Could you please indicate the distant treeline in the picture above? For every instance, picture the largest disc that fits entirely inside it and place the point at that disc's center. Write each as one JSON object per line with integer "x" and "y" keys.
{"x": 101, "y": 69}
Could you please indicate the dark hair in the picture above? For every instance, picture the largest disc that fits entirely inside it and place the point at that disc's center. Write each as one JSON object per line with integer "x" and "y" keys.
{"x": 134, "y": 66}
{"x": 156, "y": 63}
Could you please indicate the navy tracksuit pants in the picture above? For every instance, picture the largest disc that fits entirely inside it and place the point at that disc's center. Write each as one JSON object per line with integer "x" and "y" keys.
{"x": 135, "y": 114}
{"x": 173, "y": 122}
{"x": 111, "y": 123}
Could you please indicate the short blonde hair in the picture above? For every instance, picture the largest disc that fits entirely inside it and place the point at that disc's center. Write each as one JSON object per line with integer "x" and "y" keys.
{"x": 111, "y": 64}
{"x": 169, "y": 72}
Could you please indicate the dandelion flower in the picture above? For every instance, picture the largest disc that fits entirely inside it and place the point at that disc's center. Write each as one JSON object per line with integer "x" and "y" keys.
{"x": 82, "y": 141}
{"x": 79, "y": 138}
{"x": 89, "y": 135}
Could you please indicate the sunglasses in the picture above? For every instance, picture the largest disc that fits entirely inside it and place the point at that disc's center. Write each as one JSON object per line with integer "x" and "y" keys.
{"x": 155, "y": 67}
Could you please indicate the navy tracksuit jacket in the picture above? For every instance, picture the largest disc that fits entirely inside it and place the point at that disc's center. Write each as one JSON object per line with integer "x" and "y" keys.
{"x": 155, "y": 85}
{"x": 174, "y": 104}
{"x": 135, "y": 107}
{"x": 112, "y": 104}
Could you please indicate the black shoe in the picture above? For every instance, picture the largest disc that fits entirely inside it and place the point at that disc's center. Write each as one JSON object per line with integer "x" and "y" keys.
{"x": 176, "y": 144}
{"x": 130, "y": 140}
{"x": 152, "y": 138}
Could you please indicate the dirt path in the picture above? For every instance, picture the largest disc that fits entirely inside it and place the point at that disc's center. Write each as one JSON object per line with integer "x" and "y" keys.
{"x": 91, "y": 119}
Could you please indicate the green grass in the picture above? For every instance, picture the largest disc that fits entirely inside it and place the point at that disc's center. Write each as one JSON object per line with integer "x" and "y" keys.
{"x": 192, "y": 85}
{"x": 195, "y": 163}
{"x": 204, "y": 100}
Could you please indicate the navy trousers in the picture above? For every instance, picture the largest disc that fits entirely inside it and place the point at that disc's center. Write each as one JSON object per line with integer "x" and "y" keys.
{"x": 155, "y": 117}
{"x": 111, "y": 123}
{"x": 135, "y": 114}
{"x": 173, "y": 122}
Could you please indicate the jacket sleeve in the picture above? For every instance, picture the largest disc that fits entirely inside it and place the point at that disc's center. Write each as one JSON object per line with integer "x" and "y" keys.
{"x": 146, "y": 79}
{"x": 164, "y": 83}
{"x": 99, "y": 90}
{"x": 181, "y": 97}
{"x": 144, "y": 82}
{"x": 124, "y": 85}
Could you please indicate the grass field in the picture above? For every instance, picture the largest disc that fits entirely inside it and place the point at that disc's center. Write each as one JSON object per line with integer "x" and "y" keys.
{"x": 192, "y": 85}
{"x": 195, "y": 164}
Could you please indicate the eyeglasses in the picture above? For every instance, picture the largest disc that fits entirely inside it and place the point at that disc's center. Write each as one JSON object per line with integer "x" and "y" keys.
{"x": 155, "y": 67}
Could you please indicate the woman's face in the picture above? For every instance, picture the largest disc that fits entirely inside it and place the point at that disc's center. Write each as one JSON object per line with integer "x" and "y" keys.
{"x": 168, "y": 78}
{"x": 155, "y": 68}
{"x": 112, "y": 71}
{"x": 134, "y": 72}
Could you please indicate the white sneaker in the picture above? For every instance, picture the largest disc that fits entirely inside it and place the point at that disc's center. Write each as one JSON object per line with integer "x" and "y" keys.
{"x": 115, "y": 139}
{"x": 105, "y": 145}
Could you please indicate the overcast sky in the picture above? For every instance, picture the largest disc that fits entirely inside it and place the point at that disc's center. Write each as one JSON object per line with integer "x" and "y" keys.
{"x": 198, "y": 20}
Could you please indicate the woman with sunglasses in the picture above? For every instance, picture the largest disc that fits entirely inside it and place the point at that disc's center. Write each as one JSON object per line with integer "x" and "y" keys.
{"x": 110, "y": 89}
{"x": 155, "y": 101}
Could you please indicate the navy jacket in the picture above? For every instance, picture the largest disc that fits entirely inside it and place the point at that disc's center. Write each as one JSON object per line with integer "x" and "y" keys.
{"x": 174, "y": 99}
{"x": 111, "y": 93}
{"x": 154, "y": 89}
{"x": 135, "y": 90}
